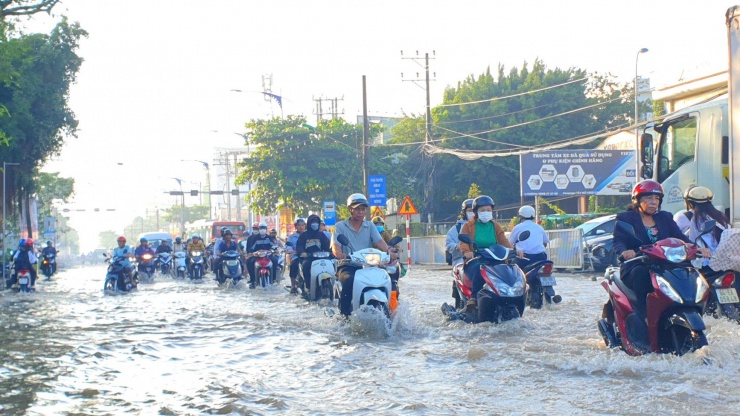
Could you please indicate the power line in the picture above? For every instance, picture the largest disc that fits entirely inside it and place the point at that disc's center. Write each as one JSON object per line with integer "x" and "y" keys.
{"x": 496, "y": 116}
{"x": 514, "y": 95}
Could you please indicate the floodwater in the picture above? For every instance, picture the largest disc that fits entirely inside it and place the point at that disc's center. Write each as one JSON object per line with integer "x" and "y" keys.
{"x": 179, "y": 348}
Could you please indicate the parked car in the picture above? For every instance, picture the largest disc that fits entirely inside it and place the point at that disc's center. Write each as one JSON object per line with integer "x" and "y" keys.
{"x": 598, "y": 243}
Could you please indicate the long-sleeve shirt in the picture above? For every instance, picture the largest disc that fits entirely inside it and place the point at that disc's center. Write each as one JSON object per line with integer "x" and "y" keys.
{"x": 452, "y": 242}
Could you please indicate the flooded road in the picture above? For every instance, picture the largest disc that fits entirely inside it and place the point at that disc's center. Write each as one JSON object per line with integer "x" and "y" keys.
{"x": 180, "y": 348}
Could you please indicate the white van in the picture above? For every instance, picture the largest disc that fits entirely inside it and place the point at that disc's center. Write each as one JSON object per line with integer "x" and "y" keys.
{"x": 155, "y": 239}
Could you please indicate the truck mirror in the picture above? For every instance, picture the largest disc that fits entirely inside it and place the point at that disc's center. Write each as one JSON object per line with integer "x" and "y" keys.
{"x": 646, "y": 148}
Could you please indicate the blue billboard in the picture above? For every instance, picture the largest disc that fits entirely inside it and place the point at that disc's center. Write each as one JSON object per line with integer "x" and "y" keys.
{"x": 556, "y": 173}
{"x": 376, "y": 190}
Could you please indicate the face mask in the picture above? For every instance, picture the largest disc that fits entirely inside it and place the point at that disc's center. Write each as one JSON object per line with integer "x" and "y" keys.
{"x": 314, "y": 226}
{"x": 380, "y": 228}
{"x": 263, "y": 232}
{"x": 485, "y": 216}
{"x": 470, "y": 215}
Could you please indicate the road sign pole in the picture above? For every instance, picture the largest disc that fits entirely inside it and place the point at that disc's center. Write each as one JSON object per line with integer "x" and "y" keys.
{"x": 408, "y": 238}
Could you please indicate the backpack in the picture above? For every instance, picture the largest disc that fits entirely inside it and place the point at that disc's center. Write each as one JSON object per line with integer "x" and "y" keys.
{"x": 448, "y": 255}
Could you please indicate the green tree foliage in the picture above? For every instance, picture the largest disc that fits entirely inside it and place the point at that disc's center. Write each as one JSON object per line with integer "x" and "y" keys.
{"x": 190, "y": 214}
{"x": 108, "y": 238}
{"x": 474, "y": 190}
{"x": 51, "y": 187}
{"x": 25, "y": 7}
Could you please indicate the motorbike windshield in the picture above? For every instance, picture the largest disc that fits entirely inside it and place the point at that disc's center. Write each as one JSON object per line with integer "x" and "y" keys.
{"x": 495, "y": 252}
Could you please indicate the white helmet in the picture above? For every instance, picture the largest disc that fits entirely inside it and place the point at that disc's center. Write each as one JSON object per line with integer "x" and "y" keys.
{"x": 356, "y": 200}
{"x": 263, "y": 225}
{"x": 526, "y": 212}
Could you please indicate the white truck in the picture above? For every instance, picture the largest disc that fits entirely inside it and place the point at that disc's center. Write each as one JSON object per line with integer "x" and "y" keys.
{"x": 700, "y": 144}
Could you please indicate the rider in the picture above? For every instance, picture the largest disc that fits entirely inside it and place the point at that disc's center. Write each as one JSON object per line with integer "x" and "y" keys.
{"x": 451, "y": 242}
{"x": 532, "y": 249}
{"x": 227, "y": 244}
{"x": 164, "y": 247}
{"x": 300, "y": 227}
{"x": 24, "y": 259}
{"x": 361, "y": 235}
{"x": 196, "y": 244}
{"x": 142, "y": 249}
{"x": 124, "y": 251}
{"x": 311, "y": 241}
{"x": 179, "y": 245}
{"x": 484, "y": 232}
{"x": 274, "y": 233}
{"x": 50, "y": 249}
{"x": 324, "y": 230}
{"x": 217, "y": 243}
{"x": 650, "y": 225}
{"x": 699, "y": 209}
{"x": 256, "y": 242}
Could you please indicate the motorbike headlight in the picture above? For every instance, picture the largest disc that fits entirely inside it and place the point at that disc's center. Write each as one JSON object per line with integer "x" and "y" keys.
{"x": 675, "y": 254}
{"x": 669, "y": 291}
{"x": 372, "y": 259}
{"x": 701, "y": 289}
{"x": 196, "y": 253}
{"x": 147, "y": 257}
{"x": 510, "y": 291}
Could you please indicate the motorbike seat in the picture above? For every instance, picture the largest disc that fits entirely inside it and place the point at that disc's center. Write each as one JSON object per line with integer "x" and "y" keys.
{"x": 528, "y": 268}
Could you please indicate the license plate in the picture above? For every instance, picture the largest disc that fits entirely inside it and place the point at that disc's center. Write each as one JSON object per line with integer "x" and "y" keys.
{"x": 232, "y": 262}
{"x": 23, "y": 281}
{"x": 727, "y": 296}
{"x": 547, "y": 281}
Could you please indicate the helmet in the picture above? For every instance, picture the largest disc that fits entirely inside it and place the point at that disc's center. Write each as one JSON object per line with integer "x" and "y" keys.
{"x": 48, "y": 243}
{"x": 226, "y": 232}
{"x": 121, "y": 239}
{"x": 255, "y": 225}
{"x": 299, "y": 221}
{"x": 482, "y": 201}
{"x": 143, "y": 240}
{"x": 223, "y": 229}
{"x": 646, "y": 187}
{"x": 178, "y": 240}
{"x": 195, "y": 236}
{"x": 263, "y": 225}
{"x": 22, "y": 242}
{"x": 245, "y": 233}
{"x": 526, "y": 212}
{"x": 322, "y": 222}
{"x": 698, "y": 194}
{"x": 29, "y": 242}
{"x": 273, "y": 231}
{"x": 468, "y": 203}
{"x": 378, "y": 220}
{"x": 355, "y": 200}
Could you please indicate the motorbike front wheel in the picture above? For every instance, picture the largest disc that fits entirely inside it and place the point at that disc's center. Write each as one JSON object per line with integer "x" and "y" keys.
{"x": 327, "y": 290}
{"x": 682, "y": 340}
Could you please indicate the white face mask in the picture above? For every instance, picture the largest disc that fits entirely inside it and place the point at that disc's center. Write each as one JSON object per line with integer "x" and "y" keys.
{"x": 263, "y": 232}
{"x": 470, "y": 214}
{"x": 485, "y": 216}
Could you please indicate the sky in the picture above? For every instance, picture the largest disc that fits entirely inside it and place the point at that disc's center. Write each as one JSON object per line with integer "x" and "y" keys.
{"x": 155, "y": 85}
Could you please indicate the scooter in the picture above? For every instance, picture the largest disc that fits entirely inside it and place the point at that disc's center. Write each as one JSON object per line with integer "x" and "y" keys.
{"x": 196, "y": 265}
{"x": 116, "y": 278}
{"x": 24, "y": 281}
{"x": 181, "y": 264}
{"x": 504, "y": 291}
{"x": 164, "y": 262}
{"x": 322, "y": 279}
{"x": 231, "y": 269}
{"x": 669, "y": 321}
{"x": 540, "y": 281}
{"x": 47, "y": 265}
{"x": 263, "y": 267}
{"x": 372, "y": 286}
{"x": 146, "y": 269}
{"x": 723, "y": 299}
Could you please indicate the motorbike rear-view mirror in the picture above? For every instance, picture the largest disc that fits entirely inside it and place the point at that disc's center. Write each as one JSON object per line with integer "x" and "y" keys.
{"x": 343, "y": 239}
{"x": 395, "y": 240}
{"x": 524, "y": 235}
{"x": 628, "y": 230}
{"x": 465, "y": 238}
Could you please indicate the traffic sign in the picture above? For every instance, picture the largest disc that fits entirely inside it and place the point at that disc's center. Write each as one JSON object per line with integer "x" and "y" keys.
{"x": 376, "y": 190}
{"x": 330, "y": 213}
{"x": 407, "y": 207}
{"x": 377, "y": 212}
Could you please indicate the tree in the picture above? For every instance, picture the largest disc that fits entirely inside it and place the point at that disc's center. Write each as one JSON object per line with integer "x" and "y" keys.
{"x": 25, "y": 7}
{"x": 108, "y": 238}
{"x": 51, "y": 187}
{"x": 474, "y": 191}
{"x": 190, "y": 214}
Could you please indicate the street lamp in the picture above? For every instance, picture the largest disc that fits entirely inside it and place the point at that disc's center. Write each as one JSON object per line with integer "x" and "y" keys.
{"x": 5, "y": 236}
{"x": 637, "y": 129}
{"x": 208, "y": 180}
{"x": 182, "y": 208}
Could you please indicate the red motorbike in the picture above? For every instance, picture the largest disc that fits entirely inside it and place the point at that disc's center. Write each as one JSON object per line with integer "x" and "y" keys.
{"x": 670, "y": 320}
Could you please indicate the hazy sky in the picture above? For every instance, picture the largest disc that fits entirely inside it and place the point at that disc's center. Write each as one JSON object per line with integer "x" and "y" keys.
{"x": 157, "y": 75}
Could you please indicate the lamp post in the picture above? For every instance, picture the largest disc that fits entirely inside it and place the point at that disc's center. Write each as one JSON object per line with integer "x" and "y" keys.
{"x": 208, "y": 181}
{"x": 182, "y": 208}
{"x": 5, "y": 245}
{"x": 637, "y": 129}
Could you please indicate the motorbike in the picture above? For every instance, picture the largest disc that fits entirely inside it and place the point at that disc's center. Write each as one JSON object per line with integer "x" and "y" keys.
{"x": 47, "y": 265}
{"x": 372, "y": 285}
{"x": 504, "y": 291}
{"x": 263, "y": 267}
{"x": 540, "y": 282}
{"x": 164, "y": 262}
{"x": 146, "y": 268}
{"x": 669, "y": 321}
{"x": 181, "y": 264}
{"x": 723, "y": 299}
{"x": 231, "y": 269}
{"x": 323, "y": 277}
{"x": 116, "y": 278}
{"x": 23, "y": 281}
{"x": 197, "y": 265}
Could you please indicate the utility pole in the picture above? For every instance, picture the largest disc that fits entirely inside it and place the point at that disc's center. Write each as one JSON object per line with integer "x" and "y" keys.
{"x": 238, "y": 195}
{"x": 365, "y": 134}
{"x": 333, "y": 108}
{"x": 428, "y": 162}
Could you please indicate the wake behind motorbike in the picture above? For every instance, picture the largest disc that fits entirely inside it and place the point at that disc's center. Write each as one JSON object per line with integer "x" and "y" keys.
{"x": 146, "y": 268}
{"x": 116, "y": 278}
{"x": 372, "y": 286}
{"x": 670, "y": 319}
{"x": 48, "y": 265}
{"x": 164, "y": 262}
{"x": 322, "y": 279}
{"x": 230, "y": 272}
{"x": 504, "y": 291}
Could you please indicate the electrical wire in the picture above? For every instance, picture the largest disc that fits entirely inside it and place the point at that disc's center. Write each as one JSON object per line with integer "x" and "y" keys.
{"x": 514, "y": 95}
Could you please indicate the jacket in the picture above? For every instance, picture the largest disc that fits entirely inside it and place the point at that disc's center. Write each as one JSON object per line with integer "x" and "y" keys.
{"x": 469, "y": 229}
{"x": 663, "y": 220}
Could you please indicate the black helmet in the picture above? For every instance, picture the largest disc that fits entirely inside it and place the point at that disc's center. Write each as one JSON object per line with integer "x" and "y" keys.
{"x": 48, "y": 243}
{"x": 481, "y": 201}
{"x": 178, "y": 240}
{"x": 468, "y": 203}
{"x": 226, "y": 232}
{"x": 223, "y": 229}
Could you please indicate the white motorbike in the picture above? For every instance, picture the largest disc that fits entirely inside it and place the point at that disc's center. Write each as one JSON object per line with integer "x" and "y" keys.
{"x": 181, "y": 264}
{"x": 323, "y": 276}
{"x": 372, "y": 284}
